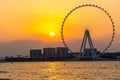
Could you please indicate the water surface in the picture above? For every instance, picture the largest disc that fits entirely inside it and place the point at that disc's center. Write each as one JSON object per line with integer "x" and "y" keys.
{"x": 94, "y": 70}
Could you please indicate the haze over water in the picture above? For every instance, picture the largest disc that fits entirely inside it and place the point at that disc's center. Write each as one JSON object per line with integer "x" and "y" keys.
{"x": 101, "y": 70}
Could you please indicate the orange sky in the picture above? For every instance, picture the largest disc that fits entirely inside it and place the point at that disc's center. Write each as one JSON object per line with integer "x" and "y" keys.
{"x": 35, "y": 19}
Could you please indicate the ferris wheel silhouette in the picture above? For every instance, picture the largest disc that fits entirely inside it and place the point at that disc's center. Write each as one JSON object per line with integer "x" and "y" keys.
{"x": 87, "y": 31}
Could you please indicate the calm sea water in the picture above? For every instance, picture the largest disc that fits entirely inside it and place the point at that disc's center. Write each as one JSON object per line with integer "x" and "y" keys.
{"x": 103, "y": 70}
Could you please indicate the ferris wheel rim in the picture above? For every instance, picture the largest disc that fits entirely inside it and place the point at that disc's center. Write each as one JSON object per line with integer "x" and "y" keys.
{"x": 98, "y": 7}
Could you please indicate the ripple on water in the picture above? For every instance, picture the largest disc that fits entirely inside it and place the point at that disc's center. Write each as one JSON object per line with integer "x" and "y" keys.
{"x": 3, "y": 72}
{"x": 4, "y": 79}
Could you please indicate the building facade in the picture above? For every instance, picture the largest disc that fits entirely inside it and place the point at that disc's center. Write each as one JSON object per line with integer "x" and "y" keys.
{"x": 49, "y": 53}
{"x": 62, "y": 52}
{"x": 36, "y": 54}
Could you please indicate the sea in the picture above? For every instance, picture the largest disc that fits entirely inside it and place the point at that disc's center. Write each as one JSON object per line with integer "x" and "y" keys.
{"x": 63, "y": 70}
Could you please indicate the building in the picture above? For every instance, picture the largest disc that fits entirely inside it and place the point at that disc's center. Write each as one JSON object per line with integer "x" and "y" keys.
{"x": 62, "y": 52}
{"x": 89, "y": 52}
{"x": 49, "y": 53}
{"x": 36, "y": 54}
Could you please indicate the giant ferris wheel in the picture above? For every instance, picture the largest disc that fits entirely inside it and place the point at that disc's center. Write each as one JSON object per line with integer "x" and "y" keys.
{"x": 87, "y": 31}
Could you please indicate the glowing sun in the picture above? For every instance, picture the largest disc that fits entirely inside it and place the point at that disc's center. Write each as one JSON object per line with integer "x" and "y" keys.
{"x": 52, "y": 34}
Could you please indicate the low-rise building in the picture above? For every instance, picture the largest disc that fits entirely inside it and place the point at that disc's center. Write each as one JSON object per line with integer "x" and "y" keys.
{"x": 36, "y": 54}
{"x": 62, "y": 52}
{"x": 89, "y": 52}
{"x": 49, "y": 53}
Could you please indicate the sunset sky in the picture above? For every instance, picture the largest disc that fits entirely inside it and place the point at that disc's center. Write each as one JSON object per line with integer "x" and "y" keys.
{"x": 29, "y": 24}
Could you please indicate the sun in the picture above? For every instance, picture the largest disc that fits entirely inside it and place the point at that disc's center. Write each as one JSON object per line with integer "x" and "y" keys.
{"x": 52, "y": 34}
